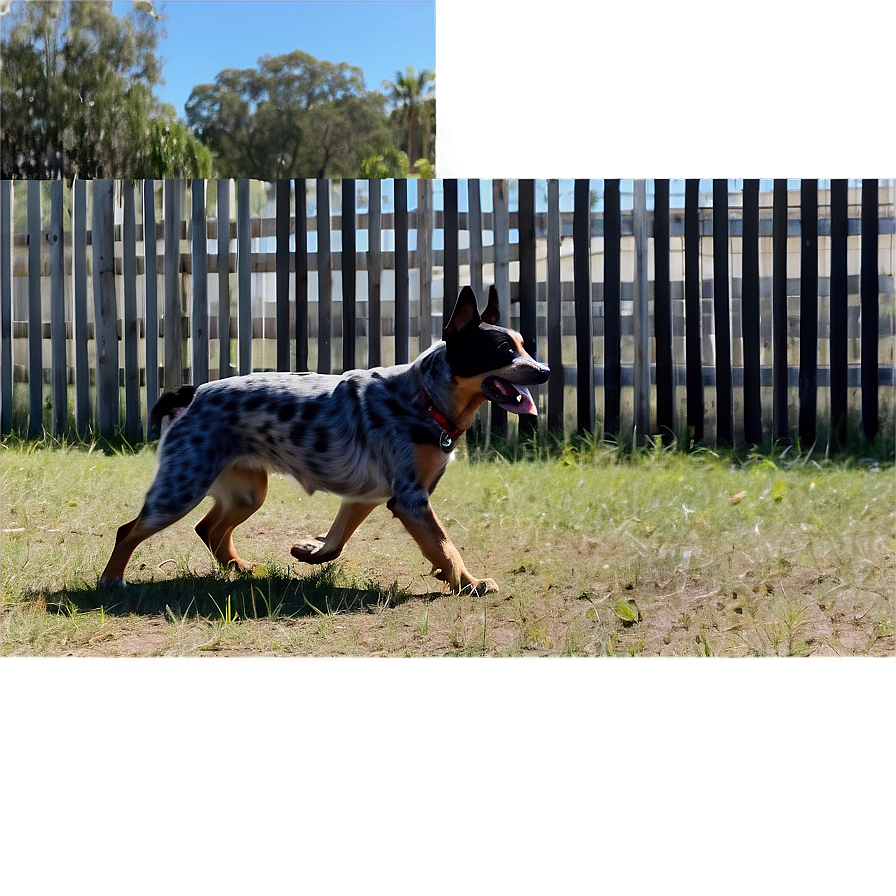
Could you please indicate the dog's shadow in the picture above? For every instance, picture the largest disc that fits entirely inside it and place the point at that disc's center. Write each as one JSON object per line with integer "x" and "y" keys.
{"x": 220, "y": 597}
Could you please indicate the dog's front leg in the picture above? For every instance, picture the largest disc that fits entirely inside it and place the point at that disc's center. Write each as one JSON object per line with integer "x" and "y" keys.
{"x": 418, "y": 517}
{"x": 351, "y": 514}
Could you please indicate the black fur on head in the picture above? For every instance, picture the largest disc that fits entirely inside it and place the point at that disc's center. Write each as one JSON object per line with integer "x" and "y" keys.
{"x": 474, "y": 342}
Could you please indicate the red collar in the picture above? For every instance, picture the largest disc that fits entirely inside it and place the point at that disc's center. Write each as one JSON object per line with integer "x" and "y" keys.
{"x": 450, "y": 434}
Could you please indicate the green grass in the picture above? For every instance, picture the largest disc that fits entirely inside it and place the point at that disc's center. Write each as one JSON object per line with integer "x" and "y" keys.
{"x": 598, "y": 551}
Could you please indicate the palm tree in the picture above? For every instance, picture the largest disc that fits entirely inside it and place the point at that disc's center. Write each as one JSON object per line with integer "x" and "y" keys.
{"x": 408, "y": 92}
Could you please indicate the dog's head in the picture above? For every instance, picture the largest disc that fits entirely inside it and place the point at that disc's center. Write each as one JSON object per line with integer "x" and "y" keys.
{"x": 491, "y": 357}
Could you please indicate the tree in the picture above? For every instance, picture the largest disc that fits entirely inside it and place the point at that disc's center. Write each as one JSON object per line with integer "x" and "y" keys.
{"x": 293, "y": 116}
{"x": 76, "y": 94}
{"x": 414, "y": 111}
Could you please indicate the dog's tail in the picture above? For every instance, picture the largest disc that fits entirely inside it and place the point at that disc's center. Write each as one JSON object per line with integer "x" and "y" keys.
{"x": 169, "y": 404}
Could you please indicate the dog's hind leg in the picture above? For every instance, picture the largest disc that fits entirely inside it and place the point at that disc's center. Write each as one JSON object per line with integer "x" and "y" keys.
{"x": 238, "y": 493}
{"x": 351, "y": 515}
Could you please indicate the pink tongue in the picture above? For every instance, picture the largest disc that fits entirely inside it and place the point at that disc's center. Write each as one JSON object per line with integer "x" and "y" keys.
{"x": 523, "y": 405}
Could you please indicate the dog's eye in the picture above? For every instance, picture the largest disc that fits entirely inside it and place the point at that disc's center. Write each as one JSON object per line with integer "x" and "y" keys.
{"x": 505, "y": 346}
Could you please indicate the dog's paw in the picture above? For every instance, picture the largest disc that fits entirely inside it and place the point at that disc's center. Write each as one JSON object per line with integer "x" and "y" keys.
{"x": 313, "y": 551}
{"x": 483, "y": 586}
{"x": 111, "y": 583}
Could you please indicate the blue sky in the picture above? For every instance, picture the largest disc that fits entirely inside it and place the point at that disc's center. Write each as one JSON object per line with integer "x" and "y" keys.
{"x": 207, "y": 36}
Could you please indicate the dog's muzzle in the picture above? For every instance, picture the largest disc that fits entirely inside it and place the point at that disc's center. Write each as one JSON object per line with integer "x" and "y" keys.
{"x": 508, "y": 389}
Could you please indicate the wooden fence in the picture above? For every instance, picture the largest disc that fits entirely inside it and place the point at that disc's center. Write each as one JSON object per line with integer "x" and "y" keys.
{"x": 653, "y": 318}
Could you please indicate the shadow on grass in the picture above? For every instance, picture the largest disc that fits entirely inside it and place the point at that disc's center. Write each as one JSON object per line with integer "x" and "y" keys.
{"x": 221, "y": 598}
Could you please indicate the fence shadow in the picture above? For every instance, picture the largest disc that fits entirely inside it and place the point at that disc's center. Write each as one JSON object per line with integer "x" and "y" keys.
{"x": 218, "y": 597}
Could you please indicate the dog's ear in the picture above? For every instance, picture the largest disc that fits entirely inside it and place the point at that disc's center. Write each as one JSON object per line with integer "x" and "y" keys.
{"x": 492, "y": 313}
{"x": 465, "y": 313}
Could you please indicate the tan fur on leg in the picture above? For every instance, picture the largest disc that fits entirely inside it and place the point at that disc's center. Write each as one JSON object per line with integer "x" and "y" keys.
{"x": 351, "y": 515}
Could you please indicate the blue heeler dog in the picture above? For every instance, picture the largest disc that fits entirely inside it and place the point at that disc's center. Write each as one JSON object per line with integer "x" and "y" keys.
{"x": 369, "y": 436}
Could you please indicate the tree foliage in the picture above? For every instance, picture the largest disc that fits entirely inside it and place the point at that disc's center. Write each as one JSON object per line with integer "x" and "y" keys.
{"x": 292, "y": 116}
{"x": 77, "y": 95}
{"x": 413, "y": 113}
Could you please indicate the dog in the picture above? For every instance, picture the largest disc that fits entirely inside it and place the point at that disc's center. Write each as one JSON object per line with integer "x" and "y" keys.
{"x": 375, "y": 436}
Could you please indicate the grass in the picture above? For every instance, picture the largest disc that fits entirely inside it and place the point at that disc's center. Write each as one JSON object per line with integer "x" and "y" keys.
{"x": 598, "y": 552}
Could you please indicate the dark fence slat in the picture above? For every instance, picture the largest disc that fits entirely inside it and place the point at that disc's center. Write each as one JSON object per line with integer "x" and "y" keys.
{"x": 869, "y": 296}
{"x": 554, "y": 309}
{"x": 173, "y": 315}
{"x": 781, "y": 425}
{"x": 150, "y": 295}
{"x": 528, "y": 423}
{"x": 722, "y": 313}
{"x": 299, "y": 190}
{"x": 662, "y": 303}
{"x": 501, "y": 214}
{"x": 223, "y": 237}
{"x": 839, "y": 320}
{"x": 282, "y": 236}
{"x": 35, "y": 345}
{"x": 59, "y": 372}
{"x": 324, "y": 280}
{"x": 612, "y": 295}
{"x": 6, "y": 226}
{"x": 693, "y": 316}
{"x": 374, "y": 273}
{"x": 450, "y": 231}
{"x": 808, "y": 311}
{"x": 106, "y": 307}
{"x": 349, "y": 243}
{"x": 132, "y": 427}
{"x": 750, "y": 315}
{"x": 424, "y": 259}
{"x": 581, "y": 237}
{"x": 402, "y": 299}
{"x": 244, "y": 276}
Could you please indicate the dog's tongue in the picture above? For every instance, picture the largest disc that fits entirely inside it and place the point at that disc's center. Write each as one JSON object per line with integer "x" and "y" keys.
{"x": 517, "y": 400}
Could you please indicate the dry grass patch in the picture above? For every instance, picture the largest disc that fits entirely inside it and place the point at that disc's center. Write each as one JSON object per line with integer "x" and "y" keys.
{"x": 666, "y": 554}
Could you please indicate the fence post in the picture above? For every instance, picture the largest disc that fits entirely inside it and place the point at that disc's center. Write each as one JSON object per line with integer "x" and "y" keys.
{"x": 612, "y": 298}
{"x": 374, "y": 271}
{"x": 282, "y": 267}
{"x": 301, "y": 274}
{"x": 692, "y": 311}
{"x": 349, "y": 265}
{"x": 808, "y": 311}
{"x": 641, "y": 321}
{"x": 870, "y": 298}
{"x": 129, "y": 303}
{"x": 173, "y": 314}
{"x": 222, "y": 213}
{"x": 501, "y": 228}
{"x": 199, "y": 311}
{"x": 35, "y": 323}
{"x": 750, "y": 315}
{"x": 5, "y": 306}
{"x": 59, "y": 379}
{"x": 449, "y": 229}
{"x": 528, "y": 423}
{"x": 839, "y": 322}
{"x": 424, "y": 259}
{"x": 581, "y": 238}
{"x": 151, "y": 296}
{"x": 474, "y": 226}
{"x": 554, "y": 310}
{"x": 244, "y": 276}
{"x": 83, "y": 408}
{"x": 106, "y": 306}
{"x": 324, "y": 280}
{"x": 662, "y": 303}
{"x": 781, "y": 428}
{"x": 722, "y": 312}
{"x": 402, "y": 303}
